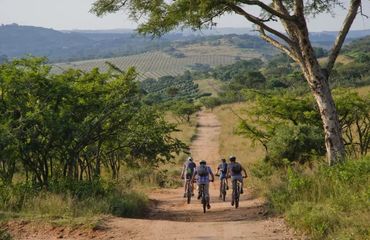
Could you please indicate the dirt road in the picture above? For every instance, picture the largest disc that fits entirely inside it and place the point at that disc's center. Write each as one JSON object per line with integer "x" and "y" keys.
{"x": 172, "y": 218}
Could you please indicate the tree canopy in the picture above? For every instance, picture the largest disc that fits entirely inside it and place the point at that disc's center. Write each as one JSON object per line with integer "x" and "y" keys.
{"x": 72, "y": 124}
{"x": 161, "y": 16}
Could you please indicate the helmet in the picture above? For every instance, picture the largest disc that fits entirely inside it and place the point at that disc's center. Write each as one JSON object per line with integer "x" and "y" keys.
{"x": 232, "y": 158}
{"x": 190, "y": 159}
{"x": 203, "y": 162}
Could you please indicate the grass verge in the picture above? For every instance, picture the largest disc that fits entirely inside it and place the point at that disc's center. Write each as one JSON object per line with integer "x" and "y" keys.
{"x": 71, "y": 203}
{"x": 232, "y": 144}
{"x": 328, "y": 203}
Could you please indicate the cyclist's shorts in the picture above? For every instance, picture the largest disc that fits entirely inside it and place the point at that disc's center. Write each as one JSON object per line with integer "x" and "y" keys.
{"x": 237, "y": 177}
{"x": 189, "y": 176}
{"x": 222, "y": 176}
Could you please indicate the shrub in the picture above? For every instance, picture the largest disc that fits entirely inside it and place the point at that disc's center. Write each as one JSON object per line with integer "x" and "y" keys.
{"x": 330, "y": 203}
{"x": 295, "y": 143}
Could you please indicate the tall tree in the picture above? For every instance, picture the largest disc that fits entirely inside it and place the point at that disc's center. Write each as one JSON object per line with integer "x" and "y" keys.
{"x": 160, "y": 16}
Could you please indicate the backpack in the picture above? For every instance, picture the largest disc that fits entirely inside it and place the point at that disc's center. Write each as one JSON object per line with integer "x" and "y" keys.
{"x": 236, "y": 168}
{"x": 203, "y": 171}
{"x": 190, "y": 168}
{"x": 224, "y": 168}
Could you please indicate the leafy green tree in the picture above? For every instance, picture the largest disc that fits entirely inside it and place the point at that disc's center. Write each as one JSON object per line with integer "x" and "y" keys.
{"x": 184, "y": 110}
{"x": 163, "y": 16}
{"x": 354, "y": 112}
{"x": 210, "y": 102}
{"x": 298, "y": 143}
{"x": 70, "y": 125}
{"x": 172, "y": 91}
{"x": 249, "y": 79}
{"x": 230, "y": 72}
{"x": 288, "y": 127}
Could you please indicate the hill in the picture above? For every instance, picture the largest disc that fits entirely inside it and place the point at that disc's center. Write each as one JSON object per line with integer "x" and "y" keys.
{"x": 75, "y": 45}
{"x": 17, "y": 41}
{"x": 361, "y": 45}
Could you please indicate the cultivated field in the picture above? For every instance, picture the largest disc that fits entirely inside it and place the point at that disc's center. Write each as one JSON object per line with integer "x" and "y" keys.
{"x": 157, "y": 64}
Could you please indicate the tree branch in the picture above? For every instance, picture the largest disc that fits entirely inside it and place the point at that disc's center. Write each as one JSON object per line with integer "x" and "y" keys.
{"x": 269, "y": 9}
{"x": 279, "y": 45}
{"x": 259, "y": 22}
{"x": 351, "y": 15}
{"x": 298, "y": 8}
{"x": 290, "y": 27}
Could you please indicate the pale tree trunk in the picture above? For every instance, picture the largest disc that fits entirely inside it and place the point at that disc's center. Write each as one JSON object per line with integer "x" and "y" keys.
{"x": 333, "y": 134}
{"x": 319, "y": 85}
{"x": 318, "y": 82}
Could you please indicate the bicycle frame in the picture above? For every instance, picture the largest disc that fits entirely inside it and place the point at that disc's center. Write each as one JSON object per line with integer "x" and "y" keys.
{"x": 223, "y": 188}
{"x": 236, "y": 193}
{"x": 189, "y": 190}
{"x": 204, "y": 199}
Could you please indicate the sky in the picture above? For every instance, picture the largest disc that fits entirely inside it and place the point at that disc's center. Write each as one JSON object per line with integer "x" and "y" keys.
{"x": 74, "y": 14}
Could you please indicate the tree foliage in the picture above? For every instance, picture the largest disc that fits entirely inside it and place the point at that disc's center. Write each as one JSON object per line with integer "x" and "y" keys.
{"x": 288, "y": 126}
{"x": 163, "y": 16}
{"x": 184, "y": 109}
{"x": 70, "y": 125}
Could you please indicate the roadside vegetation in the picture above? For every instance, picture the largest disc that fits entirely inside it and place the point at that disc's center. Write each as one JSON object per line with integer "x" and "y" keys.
{"x": 274, "y": 126}
{"x": 78, "y": 144}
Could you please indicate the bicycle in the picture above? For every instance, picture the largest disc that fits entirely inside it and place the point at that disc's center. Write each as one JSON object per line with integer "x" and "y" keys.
{"x": 189, "y": 190}
{"x": 236, "y": 193}
{"x": 203, "y": 197}
{"x": 223, "y": 188}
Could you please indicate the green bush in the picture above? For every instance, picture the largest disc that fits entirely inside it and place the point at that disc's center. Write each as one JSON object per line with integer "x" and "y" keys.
{"x": 295, "y": 143}
{"x": 330, "y": 203}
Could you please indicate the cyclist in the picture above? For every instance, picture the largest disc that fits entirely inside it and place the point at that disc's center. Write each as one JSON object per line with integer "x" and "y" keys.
{"x": 187, "y": 173}
{"x": 235, "y": 171}
{"x": 222, "y": 172}
{"x": 202, "y": 172}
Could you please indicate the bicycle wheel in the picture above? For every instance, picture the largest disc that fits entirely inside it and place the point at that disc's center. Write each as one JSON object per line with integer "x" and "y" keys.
{"x": 237, "y": 195}
{"x": 233, "y": 196}
{"x": 188, "y": 192}
{"x": 223, "y": 190}
{"x": 204, "y": 200}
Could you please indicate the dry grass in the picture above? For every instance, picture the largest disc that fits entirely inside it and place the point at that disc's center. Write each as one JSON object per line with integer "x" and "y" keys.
{"x": 209, "y": 85}
{"x": 343, "y": 59}
{"x": 232, "y": 144}
{"x": 363, "y": 91}
{"x": 186, "y": 134}
{"x": 186, "y": 130}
